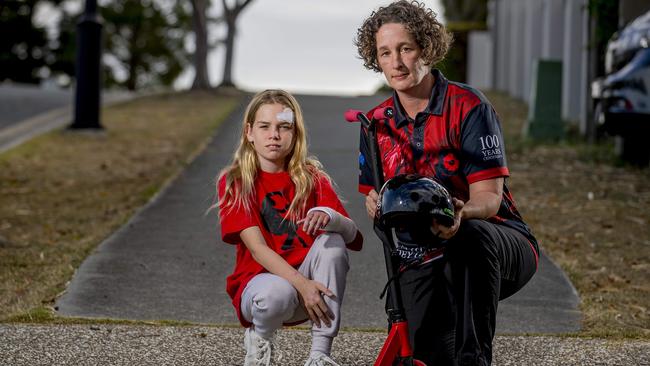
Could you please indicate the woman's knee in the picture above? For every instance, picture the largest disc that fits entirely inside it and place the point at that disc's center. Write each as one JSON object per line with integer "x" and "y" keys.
{"x": 474, "y": 239}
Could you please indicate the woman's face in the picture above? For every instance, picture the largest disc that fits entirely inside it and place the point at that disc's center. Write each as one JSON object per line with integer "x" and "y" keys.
{"x": 272, "y": 134}
{"x": 399, "y": 57}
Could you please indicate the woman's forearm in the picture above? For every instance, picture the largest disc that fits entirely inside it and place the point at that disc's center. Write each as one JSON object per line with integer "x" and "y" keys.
{"x": 484, "y": 199}
{"x": 482, "y": 206}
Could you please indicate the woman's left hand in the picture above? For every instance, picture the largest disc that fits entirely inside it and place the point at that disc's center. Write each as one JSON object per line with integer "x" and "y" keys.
{"x": 314, "y": 222}
{"x": 447, "y": 232}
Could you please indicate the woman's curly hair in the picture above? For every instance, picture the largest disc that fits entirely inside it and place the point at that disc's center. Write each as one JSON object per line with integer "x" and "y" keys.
{"x": 420, "y": 21}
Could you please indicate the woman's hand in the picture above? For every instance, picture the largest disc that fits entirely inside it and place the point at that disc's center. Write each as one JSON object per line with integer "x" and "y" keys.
{"x": 447, "y": 232}
{"x": 371, "y": 203}
{"x": 314, "y": 221}
{"x": 311, "y": 297}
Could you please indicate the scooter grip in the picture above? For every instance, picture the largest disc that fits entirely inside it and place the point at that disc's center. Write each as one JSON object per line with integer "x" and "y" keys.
{"x": 382, "y": 113}
{"x": 352, "y": 115}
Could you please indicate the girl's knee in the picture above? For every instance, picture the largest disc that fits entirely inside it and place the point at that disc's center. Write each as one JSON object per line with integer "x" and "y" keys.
{"x": 277, "y": 298}
{"x": 333, "y": 247}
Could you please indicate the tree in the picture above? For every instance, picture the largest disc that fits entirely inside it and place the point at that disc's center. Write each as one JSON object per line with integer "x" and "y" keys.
{"x": 145, "y": 40}
{"x": 200, "y": 27}
{"x": 462, "y": 17}
{"x": 231, "y": 12}
{"x": 465, "y": 10}
{"x": 24, "y": 50}
{"x": 65, "y": 48}
{"x": 143, "y": 43}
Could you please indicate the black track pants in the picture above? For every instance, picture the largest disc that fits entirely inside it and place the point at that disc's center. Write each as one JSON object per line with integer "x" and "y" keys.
{"x": 451, "y": 304}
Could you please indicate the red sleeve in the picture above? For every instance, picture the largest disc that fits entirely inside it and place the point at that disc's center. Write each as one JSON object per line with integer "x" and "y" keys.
{"x": 327, "y": 197}
{"x": 233, "y": 219}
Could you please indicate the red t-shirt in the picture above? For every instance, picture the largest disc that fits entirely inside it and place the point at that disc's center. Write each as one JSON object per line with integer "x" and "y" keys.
{"x": 273, "y": 195}
{"x": 457, "y": 139}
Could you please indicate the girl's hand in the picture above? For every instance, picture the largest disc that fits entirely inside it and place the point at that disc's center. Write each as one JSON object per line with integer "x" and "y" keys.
{"x": 314, "y": 221}
{"x": 447, "y": 232}
{"x": 311, "y": 296}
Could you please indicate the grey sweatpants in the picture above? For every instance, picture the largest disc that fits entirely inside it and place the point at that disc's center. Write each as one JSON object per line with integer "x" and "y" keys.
{"x": 269, "y": 301}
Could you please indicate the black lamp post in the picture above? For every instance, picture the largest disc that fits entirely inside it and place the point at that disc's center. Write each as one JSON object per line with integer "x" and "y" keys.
{"x": 88, "y": 92}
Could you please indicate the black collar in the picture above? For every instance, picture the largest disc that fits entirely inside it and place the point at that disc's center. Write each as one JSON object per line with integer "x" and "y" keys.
{"x": 436, "y": 101}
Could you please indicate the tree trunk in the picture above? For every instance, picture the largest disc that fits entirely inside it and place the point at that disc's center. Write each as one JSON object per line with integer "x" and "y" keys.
{"x": 230, "y": 50}
{"x": 134, "y": 60}
{"x": 201, "y": 76}
{"x": 230, "y": 16}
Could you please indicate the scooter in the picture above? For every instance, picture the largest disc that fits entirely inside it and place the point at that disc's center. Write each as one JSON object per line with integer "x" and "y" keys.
{"x": 397, "y": 350}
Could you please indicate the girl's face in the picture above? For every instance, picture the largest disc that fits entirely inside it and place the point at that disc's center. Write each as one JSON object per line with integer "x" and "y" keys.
{"x": 272, "y": 136}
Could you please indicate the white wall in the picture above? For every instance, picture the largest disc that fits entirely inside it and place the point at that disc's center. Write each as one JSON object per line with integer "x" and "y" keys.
{"x": 502, "y": 28}
{"x": 574, "y": 84}
{"x": 552, "y": 29}
{"x": 524, "y": 31}
{"x": 532, "y": 43}
{"x": 480, "y": 60}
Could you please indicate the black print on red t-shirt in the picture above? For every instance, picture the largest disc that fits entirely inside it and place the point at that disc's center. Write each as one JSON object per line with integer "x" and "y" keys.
{"x": 273, "y": 211}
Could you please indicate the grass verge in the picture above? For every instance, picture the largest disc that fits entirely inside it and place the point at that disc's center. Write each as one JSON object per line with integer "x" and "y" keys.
{"x": 591, "y": 214}
{"x": 64, "y": 192}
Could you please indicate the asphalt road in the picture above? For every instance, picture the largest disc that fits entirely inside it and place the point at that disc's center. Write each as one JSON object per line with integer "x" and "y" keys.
{"x": 168, "y": 262}
{"x": 19, "y": 102}
{"x": 27, "y": 111}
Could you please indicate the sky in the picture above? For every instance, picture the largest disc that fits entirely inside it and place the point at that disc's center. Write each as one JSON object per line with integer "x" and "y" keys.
{"x": 304, "y": 46}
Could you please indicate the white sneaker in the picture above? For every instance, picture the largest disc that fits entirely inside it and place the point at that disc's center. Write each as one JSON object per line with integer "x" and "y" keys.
{"x": 320, "y": 359}
{"x": 258, "y": 349}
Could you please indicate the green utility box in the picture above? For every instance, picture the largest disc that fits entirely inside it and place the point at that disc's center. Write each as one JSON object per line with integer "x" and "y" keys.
{"x": 545, "y": 111}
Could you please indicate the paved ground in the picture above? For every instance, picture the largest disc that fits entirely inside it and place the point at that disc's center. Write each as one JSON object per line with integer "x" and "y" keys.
{"x": 168, "y": 262}
{"x": 27, "y": 111}
{"x": 19, "y": 102}
{"x": 96, "y": 345}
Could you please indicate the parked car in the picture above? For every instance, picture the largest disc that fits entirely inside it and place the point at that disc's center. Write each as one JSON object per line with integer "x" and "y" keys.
{"x": 622, "y": 97}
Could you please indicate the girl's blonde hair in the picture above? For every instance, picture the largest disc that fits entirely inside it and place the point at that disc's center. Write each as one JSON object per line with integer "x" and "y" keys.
{"x": 241, "y": 173}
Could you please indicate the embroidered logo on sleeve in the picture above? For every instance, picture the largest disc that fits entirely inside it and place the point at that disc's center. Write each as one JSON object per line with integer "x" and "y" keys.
{"x": 490, "y": 147}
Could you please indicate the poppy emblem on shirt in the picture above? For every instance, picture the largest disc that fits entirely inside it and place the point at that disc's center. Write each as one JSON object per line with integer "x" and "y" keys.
{"x": 450, "y": 162}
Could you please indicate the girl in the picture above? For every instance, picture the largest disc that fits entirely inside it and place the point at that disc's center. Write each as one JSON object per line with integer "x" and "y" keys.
{"x": 278, "y": 206}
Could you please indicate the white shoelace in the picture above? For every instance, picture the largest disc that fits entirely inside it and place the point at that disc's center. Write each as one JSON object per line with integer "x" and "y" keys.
{"x": 264, "y": 349}
{"x": 321, "y": 360}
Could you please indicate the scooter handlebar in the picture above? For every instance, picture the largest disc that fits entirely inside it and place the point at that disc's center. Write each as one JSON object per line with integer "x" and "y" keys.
{"x": 352, "y": 115}
{"x": 382, "y": 113}
{"x": 355, "y": 115}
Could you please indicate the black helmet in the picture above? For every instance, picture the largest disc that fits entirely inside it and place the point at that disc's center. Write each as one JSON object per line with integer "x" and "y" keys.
{"x": 412, "y": 199}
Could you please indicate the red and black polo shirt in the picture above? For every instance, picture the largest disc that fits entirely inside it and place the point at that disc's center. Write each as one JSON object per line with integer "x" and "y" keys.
{"x": 457, "y": 139}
